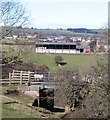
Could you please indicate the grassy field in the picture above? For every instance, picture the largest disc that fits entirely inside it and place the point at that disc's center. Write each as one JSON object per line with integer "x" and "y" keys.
{"x": 16, "y": 41}
{"x": 80, "y": 61}
{"x": 20, "y": 106}
{"x": 9, "y": 112}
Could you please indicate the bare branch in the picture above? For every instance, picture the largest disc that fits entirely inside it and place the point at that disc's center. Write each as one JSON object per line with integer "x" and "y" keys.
{"x": 12, "y": 14}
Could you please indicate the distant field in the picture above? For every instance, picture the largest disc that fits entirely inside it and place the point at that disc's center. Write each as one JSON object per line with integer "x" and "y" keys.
{"x": 59, "y": 32}
{"x": 80, "y": 61}
{"x": 17, "y": 41}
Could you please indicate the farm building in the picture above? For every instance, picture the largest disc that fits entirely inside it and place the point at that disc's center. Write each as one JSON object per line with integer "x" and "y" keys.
{"x": 58, "y": 47}
{"x": 85, "y": 49}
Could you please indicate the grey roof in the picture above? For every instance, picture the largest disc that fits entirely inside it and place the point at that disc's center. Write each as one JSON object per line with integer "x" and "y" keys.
{"x": 55, "y": 43}
{"x": 82, "y": 47}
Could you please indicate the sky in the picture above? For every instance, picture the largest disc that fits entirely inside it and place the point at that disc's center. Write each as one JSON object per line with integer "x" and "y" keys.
{"x": 67, "y": 13}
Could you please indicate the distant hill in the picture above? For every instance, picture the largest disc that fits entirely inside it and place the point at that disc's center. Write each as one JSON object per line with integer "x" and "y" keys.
{"x": 55, "y": 32}
{"x": 83, "y": 30}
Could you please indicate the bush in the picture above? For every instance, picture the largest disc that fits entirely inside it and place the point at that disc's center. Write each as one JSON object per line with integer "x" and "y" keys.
{"x": 72, "y": 87}
{"x": 58, "y": 59}
{"x": 101, "y": 49}
{"x": 93, "y": 96}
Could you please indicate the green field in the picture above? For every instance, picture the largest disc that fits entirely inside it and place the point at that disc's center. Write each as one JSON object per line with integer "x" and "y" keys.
{"x": 80, "y": 61}
{"x": 23, "y": 107}
{"x": 9, "y": 112}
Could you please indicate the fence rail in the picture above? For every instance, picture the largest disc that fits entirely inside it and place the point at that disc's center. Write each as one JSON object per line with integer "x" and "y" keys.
{"x": 4, "y": 81}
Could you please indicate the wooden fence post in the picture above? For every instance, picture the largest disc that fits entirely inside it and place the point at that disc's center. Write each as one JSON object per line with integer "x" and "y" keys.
{"x": 39, "y": 97}
{"x": 13, "y": 71}
{"x": 13, "y": 74}
{"x": 9, "y": 78}
{"x": 21, "y": 74}
{"x": 29, "y": 77}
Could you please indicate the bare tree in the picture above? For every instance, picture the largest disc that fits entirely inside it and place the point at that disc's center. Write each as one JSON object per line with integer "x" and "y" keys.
{"x": 12, "y": 14}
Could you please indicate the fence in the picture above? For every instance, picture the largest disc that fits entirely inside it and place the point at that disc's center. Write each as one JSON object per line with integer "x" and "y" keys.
{"x": 22, "y": 77}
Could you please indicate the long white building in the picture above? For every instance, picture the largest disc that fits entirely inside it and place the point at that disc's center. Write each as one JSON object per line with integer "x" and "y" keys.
{"x": 57, "y": 47}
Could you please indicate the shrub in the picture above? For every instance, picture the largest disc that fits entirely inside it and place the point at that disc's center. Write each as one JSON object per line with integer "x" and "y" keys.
{"x": 101, "y": 49}
{"x": 72, "y": 87}
{"x": 58, "y": 59}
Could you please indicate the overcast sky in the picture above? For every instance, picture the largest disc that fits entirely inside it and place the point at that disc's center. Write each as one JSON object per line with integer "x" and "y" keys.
{"x": 67, "y": 13}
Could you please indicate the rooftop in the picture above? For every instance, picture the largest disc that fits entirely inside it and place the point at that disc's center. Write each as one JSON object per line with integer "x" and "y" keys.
{"x": 82, "y": 47}
{"x": 55, "y": 43}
